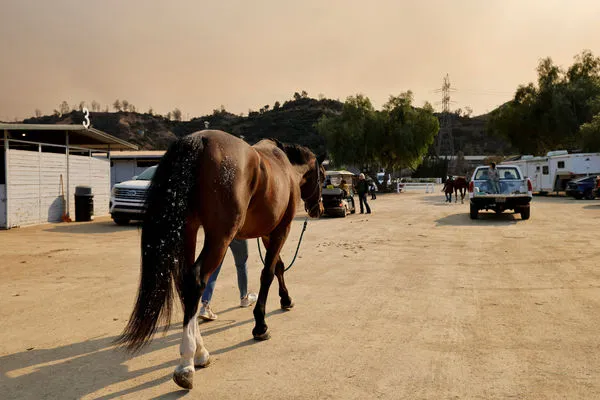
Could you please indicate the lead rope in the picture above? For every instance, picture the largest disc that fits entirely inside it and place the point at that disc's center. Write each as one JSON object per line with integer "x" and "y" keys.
{"x": 297, "y": 248}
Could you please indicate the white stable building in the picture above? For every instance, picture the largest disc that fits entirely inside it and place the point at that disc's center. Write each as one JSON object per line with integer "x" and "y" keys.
{"x": 40, "y": 166}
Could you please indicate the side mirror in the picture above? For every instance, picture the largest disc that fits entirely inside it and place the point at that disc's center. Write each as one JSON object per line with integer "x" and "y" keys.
{"x": 134, "y": 178}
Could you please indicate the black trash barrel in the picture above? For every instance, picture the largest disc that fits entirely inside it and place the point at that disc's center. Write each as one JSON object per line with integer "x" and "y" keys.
{"x": 84, "y": 203}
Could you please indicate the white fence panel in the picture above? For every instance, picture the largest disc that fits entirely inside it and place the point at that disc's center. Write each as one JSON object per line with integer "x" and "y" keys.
{"x": 404, "y": 186}
{"x": 23, "y": 182}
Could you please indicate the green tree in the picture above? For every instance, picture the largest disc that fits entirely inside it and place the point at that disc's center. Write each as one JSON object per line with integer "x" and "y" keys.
{"x": 177, "y": 114}
{"x": 117, "y": 105}
{"x": 590, "y": 134}
{"x": 396, "y": 137}
{"x": 64, "y": 108}
{"x": 548, "y": 116}
{"x": 349, "y": 135}
{"x": 407, "y": 133}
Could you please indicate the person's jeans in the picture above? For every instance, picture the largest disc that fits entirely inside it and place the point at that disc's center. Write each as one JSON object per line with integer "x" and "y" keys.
{"x": 495, "y": 186}
{"x": 239, "y": 249}
{"x": 363, "y": 199}
{"x": 449, "y": 197}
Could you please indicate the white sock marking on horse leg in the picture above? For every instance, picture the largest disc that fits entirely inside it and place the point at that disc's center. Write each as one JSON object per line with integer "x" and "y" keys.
{"x": 187, "y": 349}
{"x": 202, "y": 355}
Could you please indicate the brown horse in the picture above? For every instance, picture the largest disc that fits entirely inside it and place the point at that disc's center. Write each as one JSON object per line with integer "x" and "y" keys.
{"x": 233, "y": 190}
{"x": 460, "y": 185}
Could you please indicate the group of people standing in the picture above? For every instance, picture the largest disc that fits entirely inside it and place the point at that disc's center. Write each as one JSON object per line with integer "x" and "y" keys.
{"x": 363, "y": 187}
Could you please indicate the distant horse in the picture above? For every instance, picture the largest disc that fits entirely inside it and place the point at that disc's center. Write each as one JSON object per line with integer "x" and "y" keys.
{"x": 460, "y": 185}
{"x": 233, "y": 190}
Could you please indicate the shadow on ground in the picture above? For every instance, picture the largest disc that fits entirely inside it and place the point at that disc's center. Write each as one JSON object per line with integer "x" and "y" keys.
{"x": 484, "y": 219}
{"x": 79, "y": 369}
{"x": 91, "y": 227}
{"x": 440, "y": 201}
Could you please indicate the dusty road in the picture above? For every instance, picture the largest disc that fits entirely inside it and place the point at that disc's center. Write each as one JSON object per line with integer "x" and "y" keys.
{"x": 415, "y": 301}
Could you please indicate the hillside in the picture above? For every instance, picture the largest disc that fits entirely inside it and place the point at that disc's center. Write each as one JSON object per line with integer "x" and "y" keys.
{"x": 292, "y": 122}
{"x": 471, "y": 136}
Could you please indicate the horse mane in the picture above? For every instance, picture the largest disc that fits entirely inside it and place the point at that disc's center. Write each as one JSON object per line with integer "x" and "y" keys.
{"x": 298, "y": 155}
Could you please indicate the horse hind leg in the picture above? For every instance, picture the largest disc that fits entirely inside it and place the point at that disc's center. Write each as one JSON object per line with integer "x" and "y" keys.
{"x": 191, "y": 342}
{"x": 192, "y": 350}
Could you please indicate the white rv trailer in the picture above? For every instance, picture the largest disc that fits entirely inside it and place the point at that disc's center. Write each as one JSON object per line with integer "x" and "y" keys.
{"x": 551, "y": 172}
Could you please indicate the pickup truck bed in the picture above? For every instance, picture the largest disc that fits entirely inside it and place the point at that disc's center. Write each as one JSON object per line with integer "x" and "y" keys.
{"x": 515, "y": 192}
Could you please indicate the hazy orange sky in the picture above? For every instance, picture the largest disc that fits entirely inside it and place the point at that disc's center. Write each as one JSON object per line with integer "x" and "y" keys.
{"x": 197, "y": 55}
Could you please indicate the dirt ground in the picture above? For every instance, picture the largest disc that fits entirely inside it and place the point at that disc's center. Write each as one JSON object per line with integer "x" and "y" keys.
{"x": 415, "y": 301}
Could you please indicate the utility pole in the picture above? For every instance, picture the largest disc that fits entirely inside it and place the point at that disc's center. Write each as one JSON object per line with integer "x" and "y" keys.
{"x": 445, "y": 140}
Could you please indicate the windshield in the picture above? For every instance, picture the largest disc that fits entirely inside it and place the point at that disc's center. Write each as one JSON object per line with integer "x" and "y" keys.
{"x": 504, "y": 173}
{"x": 586, "y": 179}
{"x": 147, "y": 174}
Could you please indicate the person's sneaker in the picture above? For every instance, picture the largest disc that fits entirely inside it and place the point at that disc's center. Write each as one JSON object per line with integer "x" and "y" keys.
{"x": 248, "y": 300}
{"x": 206, "y": 313}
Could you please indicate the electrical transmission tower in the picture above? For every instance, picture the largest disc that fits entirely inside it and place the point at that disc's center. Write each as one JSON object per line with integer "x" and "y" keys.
{"x": 445, "y": 141}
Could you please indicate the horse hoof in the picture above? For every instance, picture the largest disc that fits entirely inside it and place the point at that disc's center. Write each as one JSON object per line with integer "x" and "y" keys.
{"x": 202, "y": 365}
{"x": 184, "y": 379}
{"x": 288, "y": 306}
{"x": 263, "y": 336}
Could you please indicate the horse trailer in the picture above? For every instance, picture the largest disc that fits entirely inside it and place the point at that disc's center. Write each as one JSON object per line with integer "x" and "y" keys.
{"x": 552, "y": 172}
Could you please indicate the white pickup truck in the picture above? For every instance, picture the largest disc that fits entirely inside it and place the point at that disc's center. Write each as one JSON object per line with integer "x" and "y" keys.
{"x": 515, "y": 191}
{"x": 127, "y": 200}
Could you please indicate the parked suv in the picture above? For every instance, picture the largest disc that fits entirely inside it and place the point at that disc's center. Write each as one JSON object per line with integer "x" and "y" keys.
{"x": 127, "y": 200}
{"x": 582, "y": 188}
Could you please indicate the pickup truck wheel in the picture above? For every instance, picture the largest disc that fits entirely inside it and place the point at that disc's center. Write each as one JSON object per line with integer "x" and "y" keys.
{"x": 121, "y": 221}
{"x": 525, "y": 212}
{"x": 589, "y": 195}
{"x": 474, "y": 212}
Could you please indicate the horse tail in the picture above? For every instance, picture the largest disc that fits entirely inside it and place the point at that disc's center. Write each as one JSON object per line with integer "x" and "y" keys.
{"x": 162, "y": 244}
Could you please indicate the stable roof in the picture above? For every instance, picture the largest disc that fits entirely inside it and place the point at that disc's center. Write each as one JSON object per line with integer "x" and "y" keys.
{"x": 341, "y": 172}
{"x": 133, "y": 155}
{"x": 79, "y": 136}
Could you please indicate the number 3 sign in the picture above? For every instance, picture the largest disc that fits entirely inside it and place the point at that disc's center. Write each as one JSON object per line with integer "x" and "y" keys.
{"x": 86, "y": 113}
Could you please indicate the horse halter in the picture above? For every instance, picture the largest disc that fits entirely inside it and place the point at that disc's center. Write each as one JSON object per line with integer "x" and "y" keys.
{"x": 315, "y": 190}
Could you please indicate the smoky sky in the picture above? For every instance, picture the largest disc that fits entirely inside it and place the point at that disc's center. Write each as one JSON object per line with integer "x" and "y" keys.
{"x": 199, "y": 55}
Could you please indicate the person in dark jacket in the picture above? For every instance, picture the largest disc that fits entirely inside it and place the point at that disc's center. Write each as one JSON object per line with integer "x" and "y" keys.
{"x": 448, "y": 189}
{"x": 372, "y": 189}
{"x": 362, "y": 188}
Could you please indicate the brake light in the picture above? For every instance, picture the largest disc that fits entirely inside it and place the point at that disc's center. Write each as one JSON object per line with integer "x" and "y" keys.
{"x": 471, "y": 186}
{"x": 529, "y": 186}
